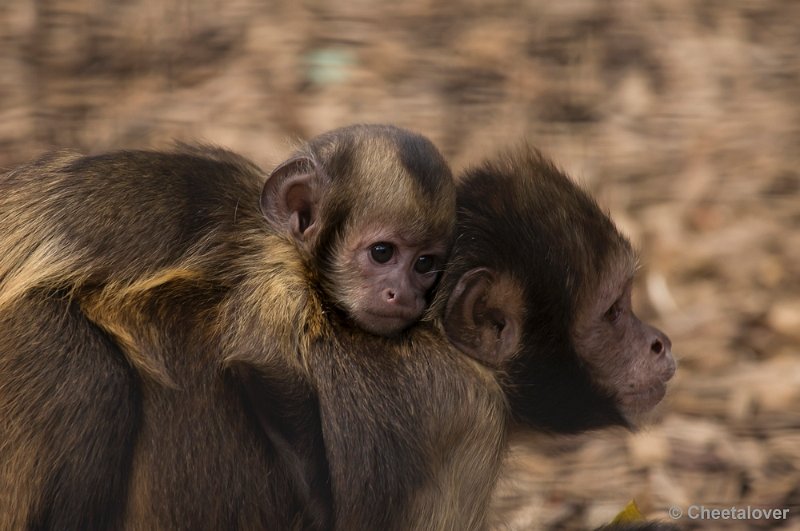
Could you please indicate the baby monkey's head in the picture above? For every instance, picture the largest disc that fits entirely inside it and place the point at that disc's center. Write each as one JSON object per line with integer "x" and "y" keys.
{"x": 372, "y": 207}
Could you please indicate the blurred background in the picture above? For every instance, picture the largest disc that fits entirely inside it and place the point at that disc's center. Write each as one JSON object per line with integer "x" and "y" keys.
{"x": 682, "y": 116}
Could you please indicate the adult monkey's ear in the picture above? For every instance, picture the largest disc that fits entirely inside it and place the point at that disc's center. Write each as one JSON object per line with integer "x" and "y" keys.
{"x": 291, "y": 196}
{"x": 484, "y": 316}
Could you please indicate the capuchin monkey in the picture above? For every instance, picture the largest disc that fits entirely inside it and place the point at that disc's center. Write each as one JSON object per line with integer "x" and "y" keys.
{"x": 126, "y": 280}
{"x": 536, "y": 305}
{"x": 193, "y": 369}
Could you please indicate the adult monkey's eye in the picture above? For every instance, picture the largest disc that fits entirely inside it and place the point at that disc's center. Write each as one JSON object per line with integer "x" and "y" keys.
{"x": 613, "y": 313}
{"x": 381, "y": 252}
{"x": 424, "y": 264}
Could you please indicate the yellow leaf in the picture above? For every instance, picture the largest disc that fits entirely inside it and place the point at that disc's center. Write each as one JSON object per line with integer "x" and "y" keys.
{"x": 630, "y": 513}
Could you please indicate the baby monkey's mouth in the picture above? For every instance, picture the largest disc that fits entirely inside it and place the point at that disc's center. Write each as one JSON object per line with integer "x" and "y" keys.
{"x": 387, "y": 322}
{"x": 400, "y": 314}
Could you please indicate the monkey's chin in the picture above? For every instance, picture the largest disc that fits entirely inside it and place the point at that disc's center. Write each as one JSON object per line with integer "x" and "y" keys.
{"x": 384, "y": 325}
{"x": 636, "y": 403}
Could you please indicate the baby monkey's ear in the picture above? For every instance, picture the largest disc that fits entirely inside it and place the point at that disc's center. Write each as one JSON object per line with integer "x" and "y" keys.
{"x": 291, "y": 196}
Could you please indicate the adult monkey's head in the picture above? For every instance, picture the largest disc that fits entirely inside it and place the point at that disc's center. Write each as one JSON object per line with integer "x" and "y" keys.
{"x": 539, "y": 286}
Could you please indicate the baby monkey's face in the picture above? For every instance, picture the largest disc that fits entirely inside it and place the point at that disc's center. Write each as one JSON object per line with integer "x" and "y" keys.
{"x": 382, "y": 277}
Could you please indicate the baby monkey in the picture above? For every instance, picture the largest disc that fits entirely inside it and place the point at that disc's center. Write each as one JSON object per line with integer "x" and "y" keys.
{"x": 372, "y": 210}
{"x": 144, "y": 290}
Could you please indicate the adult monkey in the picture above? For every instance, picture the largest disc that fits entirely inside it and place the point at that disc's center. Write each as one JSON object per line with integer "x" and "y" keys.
{"x": 538, "y": 294}
{"x": 413, "y": 430}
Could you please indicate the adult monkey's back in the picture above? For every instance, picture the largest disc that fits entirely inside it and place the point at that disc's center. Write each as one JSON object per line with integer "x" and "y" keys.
{"x": 104, "y": 286}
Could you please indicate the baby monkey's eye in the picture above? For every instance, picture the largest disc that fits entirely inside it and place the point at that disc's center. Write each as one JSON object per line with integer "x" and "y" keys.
{"x": 381, "y": 252}
{"x": 424, "y": 264}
